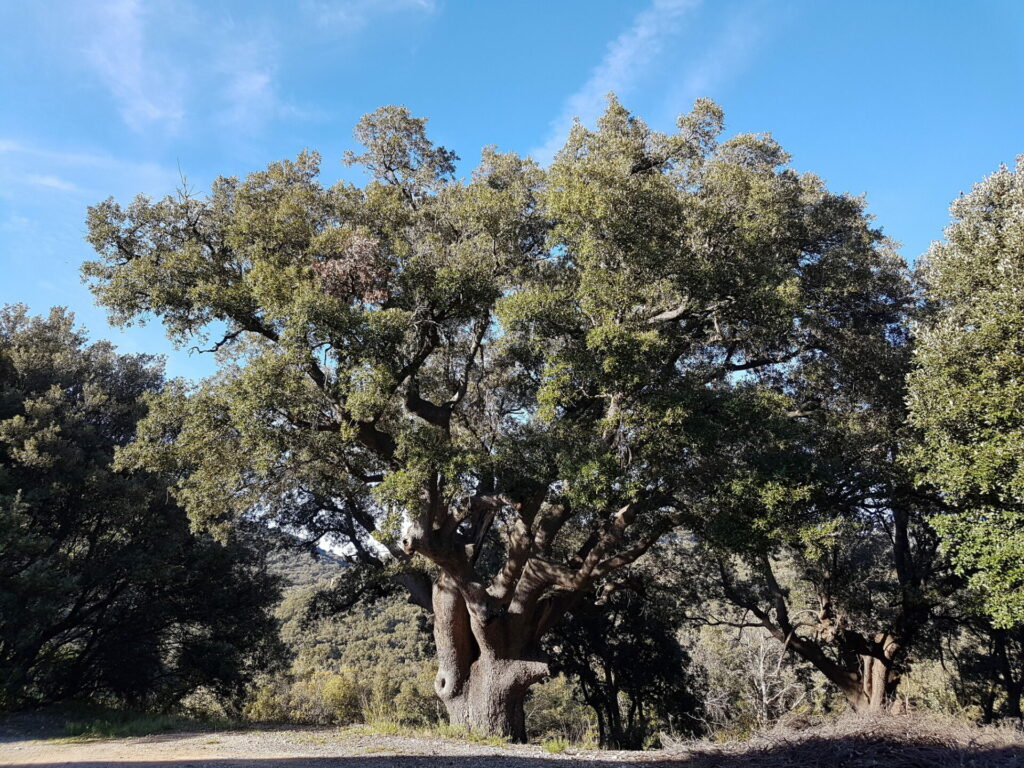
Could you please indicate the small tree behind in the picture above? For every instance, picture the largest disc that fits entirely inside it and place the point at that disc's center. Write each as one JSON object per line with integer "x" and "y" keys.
{"x": 629, "y": 667}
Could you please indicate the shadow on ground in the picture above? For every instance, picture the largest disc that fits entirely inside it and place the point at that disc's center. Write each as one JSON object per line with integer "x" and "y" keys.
{"x": 808, "y": 753}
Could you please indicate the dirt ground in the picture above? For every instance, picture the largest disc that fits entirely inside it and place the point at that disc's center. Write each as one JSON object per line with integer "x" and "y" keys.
{"x": 894, "y": 742}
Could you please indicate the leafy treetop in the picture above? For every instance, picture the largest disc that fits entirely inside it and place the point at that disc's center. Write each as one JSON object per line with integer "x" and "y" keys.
{"x": 967, "y": 391}
{"x": 541, "y": 371}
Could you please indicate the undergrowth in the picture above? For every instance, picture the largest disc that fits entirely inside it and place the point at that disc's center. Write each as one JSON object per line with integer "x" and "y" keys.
{"x": 555, "y": 746}
{"x": 84, "y": 723}
{"x": 386, "y": 727}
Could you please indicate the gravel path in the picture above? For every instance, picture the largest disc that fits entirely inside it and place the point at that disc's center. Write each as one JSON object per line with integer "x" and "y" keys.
{"x": 889, "y": 742}
{"x": 302, "y": 748}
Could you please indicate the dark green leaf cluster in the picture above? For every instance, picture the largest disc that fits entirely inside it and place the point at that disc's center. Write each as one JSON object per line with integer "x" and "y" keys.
{"x": 967, "y": 391}
{"x": 629, "y": 667}
{"x": 104, "y": 591}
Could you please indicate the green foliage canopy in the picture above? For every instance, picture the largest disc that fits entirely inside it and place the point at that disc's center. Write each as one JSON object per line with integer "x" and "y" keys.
{"x": 552, "y": 366}
{"x": 104, "y": 592}
{"x": 967, "y": 390}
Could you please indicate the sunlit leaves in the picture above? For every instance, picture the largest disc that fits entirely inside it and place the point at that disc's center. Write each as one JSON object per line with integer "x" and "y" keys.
{"x": 967, "y": 392}
{"x": 619, "y": 327}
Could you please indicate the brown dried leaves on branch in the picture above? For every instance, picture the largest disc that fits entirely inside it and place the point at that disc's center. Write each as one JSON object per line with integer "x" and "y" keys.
{"x": 357, "y": 271}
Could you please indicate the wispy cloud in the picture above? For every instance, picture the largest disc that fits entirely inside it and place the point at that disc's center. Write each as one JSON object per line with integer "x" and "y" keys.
{"x": 352, "y": 15}
{"x": 180, "y": 65}
{"x": 626, "y": 60}
{"x": 249, "y": 93}
{"x": 14, "y": 148}
{"x": 25, "y": 166}
{"x": 51, "y": 182}
{"x": 147, "y": 91}
{"x": 15, "y": 223}
{"x": 727, "y": 54}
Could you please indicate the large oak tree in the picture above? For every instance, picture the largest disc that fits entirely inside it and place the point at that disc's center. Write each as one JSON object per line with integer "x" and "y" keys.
{"x": 538, "y": 371}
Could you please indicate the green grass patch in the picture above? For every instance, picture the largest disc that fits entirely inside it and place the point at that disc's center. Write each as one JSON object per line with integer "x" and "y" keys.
{"x": 83, "y": 723}
{"x": 555, "y": 746}
{"x": 382, "y": 727}
{"x": 123, "y": 726}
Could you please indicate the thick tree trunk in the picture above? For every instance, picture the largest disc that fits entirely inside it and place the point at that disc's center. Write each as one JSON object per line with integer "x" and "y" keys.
{"x": 868, "y": 689}
{"x": 878, "y": 678}
{"x": 497, "y": 693}
{"x": 484, "y": 671}
{"x": 1013, "y": 685}
{"x": 456, "y": 650}
{"x": 878, "y": 685}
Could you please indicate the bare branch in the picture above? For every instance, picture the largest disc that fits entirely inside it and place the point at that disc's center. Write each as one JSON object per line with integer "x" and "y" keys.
{"x": 228, "y": 337}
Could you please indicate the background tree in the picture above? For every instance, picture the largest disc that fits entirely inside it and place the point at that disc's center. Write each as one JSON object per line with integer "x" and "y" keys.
{"x": 104, "y": 592}
{"x": 967, "y": 389}
{"x": 822, "y": 537}
{"x": 531, "y": 368}
{"x": 987, "y": 663}
{"x": 622, "y": 652}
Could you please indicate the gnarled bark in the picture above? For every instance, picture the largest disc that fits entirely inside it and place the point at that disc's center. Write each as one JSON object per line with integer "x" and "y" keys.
{"x": 488, "y": 630}
{"x": 484, "y": 670}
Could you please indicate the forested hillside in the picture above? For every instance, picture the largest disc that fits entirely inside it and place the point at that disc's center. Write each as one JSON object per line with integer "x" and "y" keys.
{"x": 300, "y": 568}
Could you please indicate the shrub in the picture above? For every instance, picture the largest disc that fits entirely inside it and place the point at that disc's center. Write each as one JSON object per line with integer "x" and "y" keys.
{"x": 268, "y": 703}
{"x": 554, "y": 713}
{"x": 555, "y": 746}
{"x": 343, "y": 697}
{"x": 416, "y": 702}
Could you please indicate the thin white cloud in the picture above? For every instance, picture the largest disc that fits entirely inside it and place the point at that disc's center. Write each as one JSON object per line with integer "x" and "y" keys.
{"x": 352, "y": 15}
{"x": 82, "y": 159}
{"x": 13, "y": 148}
{"x": 182, "y": 68}
{"x": 249, "y": 97}
{"x": 24, "y": 166}
{"x": 51, "y": 182}
{"x": 148, "y": 92}
{"x": 178, "y": 65}
{"x": 60, "y": 157}
{"x": 15, "y": 223}
{"x": 247, "y": 92}
{"x": 729, "y": 52}
{"x": 628, "y": 57}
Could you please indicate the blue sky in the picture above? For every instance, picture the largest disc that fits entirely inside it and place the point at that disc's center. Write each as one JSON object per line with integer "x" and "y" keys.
{"x": 907, "y": 102}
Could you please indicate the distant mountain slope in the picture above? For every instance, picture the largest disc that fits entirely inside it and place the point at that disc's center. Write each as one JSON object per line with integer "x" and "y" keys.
{"x": 301, "y": 569}
{"x": 390, "y": 635}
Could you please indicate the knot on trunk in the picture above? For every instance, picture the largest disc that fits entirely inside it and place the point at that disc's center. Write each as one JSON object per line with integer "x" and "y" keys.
{"x": 448, "y": 684}
{"x": 412, "y": 538}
